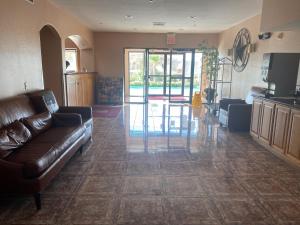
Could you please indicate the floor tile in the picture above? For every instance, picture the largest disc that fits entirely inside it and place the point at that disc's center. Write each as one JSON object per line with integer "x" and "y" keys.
{"x": 224, "y": 187}
{"x": 177, "y": 168}
{"x": 284, "y": 210}
{"x": 184, "y": 186}
{"x": 88, "y": 210}
{"x": 241, "y": 210}
{"x": 142, "y": 168}
{"x": 108, "y": 168}
{"x": 136, "y": 185}
{"x": 64, "y": 184}
{"x": 142, "y": 211}
{"x": 188, "y": 211}
{"x": 25, "y": 211}
{"x": 265, "y": 186}
{"x": 101, "y": 186}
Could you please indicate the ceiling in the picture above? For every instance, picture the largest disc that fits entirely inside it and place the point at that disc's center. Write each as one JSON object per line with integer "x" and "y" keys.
{"x": 180, "y": 16}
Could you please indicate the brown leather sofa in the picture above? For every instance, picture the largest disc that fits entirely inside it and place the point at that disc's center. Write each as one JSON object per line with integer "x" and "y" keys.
{"x": 36, "y": 143}
{"x": 46, "y": 101}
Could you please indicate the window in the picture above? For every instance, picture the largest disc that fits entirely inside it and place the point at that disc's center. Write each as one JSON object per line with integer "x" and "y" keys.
{"x": 71, "y": 59}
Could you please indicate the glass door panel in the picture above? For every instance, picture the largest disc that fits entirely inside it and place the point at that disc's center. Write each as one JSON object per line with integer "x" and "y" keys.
{"x": 135, "y": 84}
{"x": 181, "y": 76}
{"x": 176, "y": 87}
{"x": 177, "y": 65}
{"x": 156, "y": 78}
{"x": 156, "y": 85}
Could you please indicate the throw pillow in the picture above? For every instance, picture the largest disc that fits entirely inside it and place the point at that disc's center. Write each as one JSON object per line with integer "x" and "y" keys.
{"x": 38, "y": 123}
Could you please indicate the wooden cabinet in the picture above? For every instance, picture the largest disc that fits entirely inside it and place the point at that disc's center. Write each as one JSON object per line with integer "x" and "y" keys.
{"x": 255, "y": 117}
{"x": 266, "y": 121}
{"x": 294, "y": 135}
{"x": 276, "y": 126}
{"x": 80, "y": 89}
{"x": 280, "y": 128}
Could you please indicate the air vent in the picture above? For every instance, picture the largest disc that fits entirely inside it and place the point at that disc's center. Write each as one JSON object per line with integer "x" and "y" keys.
{"x": 159, "y": 24}
{"x": 30, "y": 1}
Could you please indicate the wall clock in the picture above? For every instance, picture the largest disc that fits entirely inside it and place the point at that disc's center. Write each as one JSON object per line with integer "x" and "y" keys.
{"x": 241, "y": 50}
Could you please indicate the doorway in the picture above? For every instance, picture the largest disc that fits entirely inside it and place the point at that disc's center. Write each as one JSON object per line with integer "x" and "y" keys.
{"x": 51, "y": 51}
{"x": 162, "y": 74}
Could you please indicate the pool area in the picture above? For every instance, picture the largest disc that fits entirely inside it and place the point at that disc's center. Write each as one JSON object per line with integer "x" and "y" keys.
{"x": 139, "y": 90}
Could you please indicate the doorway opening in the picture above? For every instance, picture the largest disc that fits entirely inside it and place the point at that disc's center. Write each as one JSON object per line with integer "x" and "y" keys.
{"x": 162, "y": 74}
{"x": 51, "y": 51}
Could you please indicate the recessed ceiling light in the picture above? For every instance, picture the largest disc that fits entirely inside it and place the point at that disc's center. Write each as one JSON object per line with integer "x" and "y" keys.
{"x": 151, "y": 1}
{"x": 128, "y": 17}
{"x": 30, "y": 1}
{"x": 159, "y": 23}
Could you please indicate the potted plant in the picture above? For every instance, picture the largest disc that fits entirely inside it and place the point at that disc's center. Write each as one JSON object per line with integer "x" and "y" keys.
{"x": 211, "y": 58}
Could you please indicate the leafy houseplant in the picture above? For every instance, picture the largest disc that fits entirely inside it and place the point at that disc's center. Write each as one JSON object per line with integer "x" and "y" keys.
{"x": 211, "y": 56}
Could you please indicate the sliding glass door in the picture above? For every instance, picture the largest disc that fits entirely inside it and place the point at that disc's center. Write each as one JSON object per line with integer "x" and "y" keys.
{"x": 181, "y": 74}
{"x": 161, "y": 74}
{"x": 135, "y": 82}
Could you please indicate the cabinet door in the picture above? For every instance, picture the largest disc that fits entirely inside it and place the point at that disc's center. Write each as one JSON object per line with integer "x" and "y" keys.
{"x": 294, "y": 137}
{"x": 280, "y": 127}
{"x": 80, "y": 90}
{"x": 255, "y": 117}
{"x": 72, "y": 91}
{"x": 266, "y": 122}
{"x": 87, "y": 90}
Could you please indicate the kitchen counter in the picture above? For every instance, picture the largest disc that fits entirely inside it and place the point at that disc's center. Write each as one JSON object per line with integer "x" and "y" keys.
{"x": 79, "y": 73}
{"x": 287, "y": 101}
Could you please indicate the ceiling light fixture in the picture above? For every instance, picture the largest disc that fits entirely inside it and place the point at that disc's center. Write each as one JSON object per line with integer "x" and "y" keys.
{"x": 193, "y": 17}
{"x": 159, "y": 23}
{"x": 151, "y": 1}
{"x": 128, "y": 17}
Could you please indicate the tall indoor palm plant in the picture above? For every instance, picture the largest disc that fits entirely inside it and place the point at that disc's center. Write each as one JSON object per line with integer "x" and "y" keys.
{"x": 211, "y": 57}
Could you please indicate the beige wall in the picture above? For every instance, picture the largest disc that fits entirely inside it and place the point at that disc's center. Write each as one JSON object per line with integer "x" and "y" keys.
{"x": 20, "y": 52}
{"x": 243, "y": 81}
{"x": 278, "y": 15}
{"x": 109, "y": 47}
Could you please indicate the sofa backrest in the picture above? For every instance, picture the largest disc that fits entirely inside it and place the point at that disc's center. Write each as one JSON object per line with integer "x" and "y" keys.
{"x": 15, "y": 108}
{"x": 45, "y": 100}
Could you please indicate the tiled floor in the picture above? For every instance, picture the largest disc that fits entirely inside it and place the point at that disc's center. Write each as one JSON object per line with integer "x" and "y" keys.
{"x": 165, "y": 164}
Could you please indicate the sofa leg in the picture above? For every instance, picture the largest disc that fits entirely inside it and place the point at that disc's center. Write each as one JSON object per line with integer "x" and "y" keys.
{"x": 37, "y": 199}
{"x": 81, "y": 150}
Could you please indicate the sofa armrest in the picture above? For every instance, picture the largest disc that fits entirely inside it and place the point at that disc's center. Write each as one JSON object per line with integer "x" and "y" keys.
{"x": 224, "y": 103}
{"x": 239, "y": 117}
{"x": 66, "y": 119}
{"x": 85, "y": 112}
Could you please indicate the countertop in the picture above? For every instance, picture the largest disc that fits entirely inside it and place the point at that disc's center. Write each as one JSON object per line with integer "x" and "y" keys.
{"x": 287, "y": 101}
{"x": 77, "y": 73}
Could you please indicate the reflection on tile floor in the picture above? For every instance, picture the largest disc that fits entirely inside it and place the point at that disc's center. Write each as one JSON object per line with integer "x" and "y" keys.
{"x": 165, "y": 164}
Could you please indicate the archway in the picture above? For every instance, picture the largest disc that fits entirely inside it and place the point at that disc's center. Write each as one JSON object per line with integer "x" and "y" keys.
{"x": 84, "y": 53}
{"x": 51, "y": 51}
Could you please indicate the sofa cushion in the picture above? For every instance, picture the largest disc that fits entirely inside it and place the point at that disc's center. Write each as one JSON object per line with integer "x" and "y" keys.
{"x": 19, "y": 133}
{"x": 7, "y": 144}
{"x": 38, "y": 123}
{"x": 12, "y": 137}
{"x": 40, "y": 153}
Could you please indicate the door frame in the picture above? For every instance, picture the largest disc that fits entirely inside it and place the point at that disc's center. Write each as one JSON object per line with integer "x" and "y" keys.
{"x": 165, "y": 52}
